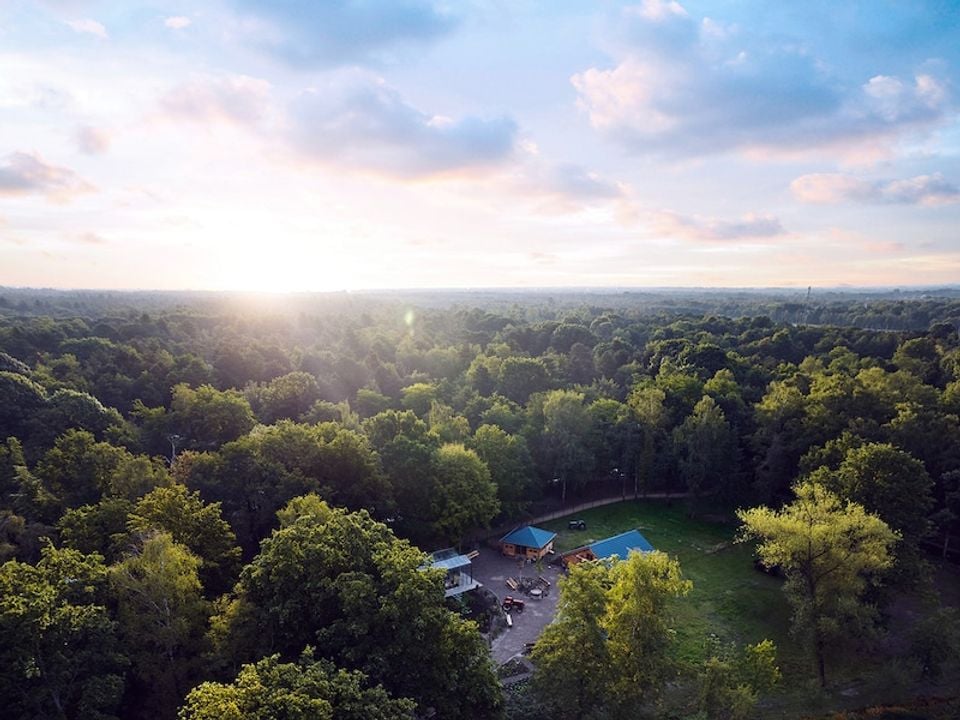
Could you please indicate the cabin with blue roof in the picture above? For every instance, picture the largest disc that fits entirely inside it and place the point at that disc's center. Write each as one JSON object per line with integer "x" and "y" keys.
{"x": 527, "y": 542}
{"x": 618, "y": 546}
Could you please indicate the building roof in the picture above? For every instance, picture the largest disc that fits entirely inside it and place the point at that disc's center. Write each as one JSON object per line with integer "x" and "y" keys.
{"x": 621, "y": 545}
{"x": 529, "y": 536}
{"x": 448, "y": 559}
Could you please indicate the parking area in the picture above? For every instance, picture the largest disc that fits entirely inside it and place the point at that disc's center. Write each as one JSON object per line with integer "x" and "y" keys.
{"x": 492, "y": 569}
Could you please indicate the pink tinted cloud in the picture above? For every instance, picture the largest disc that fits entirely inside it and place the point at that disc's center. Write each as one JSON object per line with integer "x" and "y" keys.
{"x": 751, "y": 226}
{"x": 238, "y": 99}
{"x": 24, "y": 174}
{"x": 92, "y": 140}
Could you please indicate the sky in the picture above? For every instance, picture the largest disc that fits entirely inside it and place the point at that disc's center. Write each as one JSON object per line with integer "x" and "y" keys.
{"x": 304, "y": 145}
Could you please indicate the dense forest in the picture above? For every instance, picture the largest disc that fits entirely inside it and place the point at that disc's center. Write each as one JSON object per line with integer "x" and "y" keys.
{"x": 217, "y": 506}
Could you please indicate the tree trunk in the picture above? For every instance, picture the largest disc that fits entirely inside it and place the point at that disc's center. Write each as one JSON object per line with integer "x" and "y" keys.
{"x": 821, "y": 666}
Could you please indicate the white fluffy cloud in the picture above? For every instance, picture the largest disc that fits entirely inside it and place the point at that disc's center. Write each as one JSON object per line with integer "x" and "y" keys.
{"x": 88, "y": 26}
{"x": 688, "y": 87}
{"x": 177, "y": 22}
{"x": 358, "y": 120}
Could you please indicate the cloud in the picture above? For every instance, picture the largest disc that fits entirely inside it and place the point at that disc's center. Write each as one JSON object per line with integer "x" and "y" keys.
{"x": 306, "y": 32}
{"x": 694, "y": 227}
{"x": 89, "y": 238}
{"x": 92, "y": 140}
{"x": 828, "y": 188}
{"x": 24, "y": 174}
{"x": 358, "y": 120}
{"x": 177, "y": 22}
{"x": 88, "y": 26}
{"x": 683, "y": 87}
{"x": 237, "y": 98}
{"x": 562, "y": 188}
{"x": 578, "y": 183}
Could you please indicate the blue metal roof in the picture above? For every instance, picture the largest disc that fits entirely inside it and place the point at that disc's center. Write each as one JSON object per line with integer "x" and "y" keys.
{"x": 621, "y": 545}
{"x": 529, "y": 536}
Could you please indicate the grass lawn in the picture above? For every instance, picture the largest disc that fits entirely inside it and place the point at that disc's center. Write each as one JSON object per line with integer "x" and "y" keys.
{"x": 730, "y": 600}
{"x": 733, "y": 602}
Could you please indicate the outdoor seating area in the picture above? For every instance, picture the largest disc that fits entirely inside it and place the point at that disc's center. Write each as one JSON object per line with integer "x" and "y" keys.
{"x": 536, "y": 587}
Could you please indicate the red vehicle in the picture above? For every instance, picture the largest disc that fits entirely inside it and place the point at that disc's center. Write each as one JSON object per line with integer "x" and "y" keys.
{"x": 512, "y": 604}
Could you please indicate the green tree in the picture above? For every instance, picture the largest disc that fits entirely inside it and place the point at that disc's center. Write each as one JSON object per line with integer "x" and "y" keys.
{"x": 345, "y": 583}
{"x": 638, "y": 624}
{"x": 507, "y": 457}
{"x": 830, "y": 550}
{"x": 572, "y": 657}
{"x": 732, "y": 682}
{"x": 255, "y": 475}
{"x": 308, "y": 688}
{"x": 196, "y": 525}
{"x": 286, "y": 397}
{"x": 206, "y": 418}
{"x": 20, "y": 398}
{"x": 462, "y": 496}
{"x": 99, "y": 528}
{"x": 647, "y": 403}
{"x": 891, "y": 484}
{"x": 59, "y": 657}
{"x": 446, "y": 424}
{"x": 706, "y": 450}
{"x": 407, "y": 452}
{"x": 78, "y": 470}
{"x": 567, "y": 434}
{"x": 418, "y": 398}
{"x": 520, "y": 377}
{"x": 162, "y": 619}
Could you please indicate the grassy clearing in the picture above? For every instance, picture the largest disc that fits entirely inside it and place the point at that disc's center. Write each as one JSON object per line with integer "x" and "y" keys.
{"x": 733, "y": 602}
{"x": 730, "y": 600}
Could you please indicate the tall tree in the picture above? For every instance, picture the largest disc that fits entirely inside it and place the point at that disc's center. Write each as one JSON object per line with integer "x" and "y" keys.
{"x": 511, "y": 468}
{"x": 59, "y": 657}
{"x": 638, "y": 626}
{"x": 572, "y": 657}
{"x": 162, "y": 618}
{"x": 308, "y": 688}
{"x": 706, "y": 450}
{"x": 345, "y": 583}
{"x": 462, "y": 495}
{"x": 196, "y": 525}
{"x": 893, "y": 485}
{"x": 830, "y": 550}
{"x": 206, "y": 418}
{"x": 566, "y": 434}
